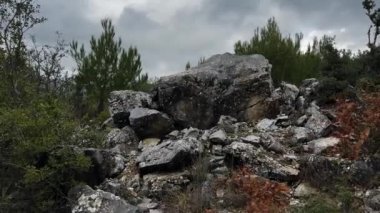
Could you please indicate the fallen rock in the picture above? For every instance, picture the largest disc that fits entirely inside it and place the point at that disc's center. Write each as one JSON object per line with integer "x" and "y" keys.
{"x": 303, "y": 190}
{"x": 191, "y": 133}
{"x": 224, "y": 85}
{"x": 158, "y": 185}
{"x": 169, "y": 155}
{"x": 240, "y": 152}
{"x": 301, "y": 135}
{"x": 119, "y": 188}
{"x": 150, "y": 123}
{"x": 148, "y": 142}
{"x": 318, "y": 122}
{"x": 285, "y": 98}
{"x": 251, "y": 139}
{"x": 227, "y": 123}
{"x": 219, "y": 137}
{"x": 120, "y": 140}
{"x": 372, "y": 200}
{"x": 86, "y": 200}
{"x": 267, "y": 125}
{"x": 309, "y": 90}
{"x": 319, "y": 145}
{"x": 122, "y": 102}
{"x": 302, "y": 120}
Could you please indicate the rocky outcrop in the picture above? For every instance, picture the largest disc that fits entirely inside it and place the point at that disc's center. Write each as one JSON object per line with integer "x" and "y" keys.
{"x": 198, "y": 126}
{"x": 224, "y": 85}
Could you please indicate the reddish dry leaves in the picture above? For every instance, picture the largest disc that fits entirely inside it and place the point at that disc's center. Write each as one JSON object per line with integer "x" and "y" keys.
{"x": 265, "y": 196}
{"x": 355, "y": 123}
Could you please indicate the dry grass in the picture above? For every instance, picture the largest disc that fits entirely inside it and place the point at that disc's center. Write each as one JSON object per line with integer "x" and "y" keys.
{"x": 264, "y": 196}
{"x": 355, "y": 122}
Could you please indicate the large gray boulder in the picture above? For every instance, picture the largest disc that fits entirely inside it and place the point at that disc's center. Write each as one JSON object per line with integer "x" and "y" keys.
{"x": 86, "y": 200}
{"x": 169, "y": 155}
{"x": 225, "y": 84}
{"x": 150, "y": 122}
{"x": 122, "y": 102}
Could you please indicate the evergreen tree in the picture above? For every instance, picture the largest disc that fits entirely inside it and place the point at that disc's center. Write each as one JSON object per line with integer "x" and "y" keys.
{"x": 188, "y": 66}
{"x": 283, "y": 52}
{"x": 107, "y": 66}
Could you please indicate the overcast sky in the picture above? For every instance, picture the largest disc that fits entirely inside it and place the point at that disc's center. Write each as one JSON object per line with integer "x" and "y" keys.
{"x": 168, "y": 33}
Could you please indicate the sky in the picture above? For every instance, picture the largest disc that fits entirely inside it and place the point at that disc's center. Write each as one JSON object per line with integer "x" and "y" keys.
{"x": 169, "y": 33}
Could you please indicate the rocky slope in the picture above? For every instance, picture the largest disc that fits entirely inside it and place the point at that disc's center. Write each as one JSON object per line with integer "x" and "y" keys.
{"x": 209, "y": 139}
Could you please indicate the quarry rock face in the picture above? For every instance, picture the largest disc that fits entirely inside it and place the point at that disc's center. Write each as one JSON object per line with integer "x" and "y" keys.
{"x": 224, "y": 84}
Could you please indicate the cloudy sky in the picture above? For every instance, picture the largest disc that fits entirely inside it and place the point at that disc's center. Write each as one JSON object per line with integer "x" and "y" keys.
{"x": 168, "y": 33}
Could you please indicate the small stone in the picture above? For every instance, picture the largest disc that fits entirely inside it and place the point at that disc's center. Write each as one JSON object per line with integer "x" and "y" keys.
{"x": 301, "y": 120}
{"x": 319, "y": 145}
{"x": 217, "y": 150}
{"x": 251, "y": 139}
{"x": 301, "y": 135}
{"x": 304, "y": 190}
{"x": 219, "y": 137}
{"x": 227, "y": 123}
{"x": 149, "y": 142}
{"x": 266, "y": 125}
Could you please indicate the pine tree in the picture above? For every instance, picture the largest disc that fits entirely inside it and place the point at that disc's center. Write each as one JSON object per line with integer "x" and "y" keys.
{"x": 188, "y": 66}
{"x": 107, "y": 66}
{"x": 283, "y": 52}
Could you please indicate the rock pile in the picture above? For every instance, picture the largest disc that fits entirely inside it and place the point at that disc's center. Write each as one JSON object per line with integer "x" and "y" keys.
{"x": 213, "y": 115}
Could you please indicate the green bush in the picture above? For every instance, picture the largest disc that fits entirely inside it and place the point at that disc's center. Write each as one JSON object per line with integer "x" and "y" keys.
{"x": 37, "y": 179}
{"x": 318, "y": 204}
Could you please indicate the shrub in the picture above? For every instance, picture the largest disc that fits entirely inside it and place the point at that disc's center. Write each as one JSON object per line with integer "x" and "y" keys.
{"x": 264, "y": 195}
{"x": 37, "y": 179}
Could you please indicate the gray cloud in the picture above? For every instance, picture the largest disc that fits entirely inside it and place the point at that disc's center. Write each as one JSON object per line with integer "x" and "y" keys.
{"x": 167, "y": 41}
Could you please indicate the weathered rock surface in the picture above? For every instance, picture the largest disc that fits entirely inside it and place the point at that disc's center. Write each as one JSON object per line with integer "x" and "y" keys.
{"x": 318, "y": 122}
{"x": 105, "y": 164}
{"x": 87, "y": 200}
{"x": 302, "y": 135}
{"x": 224, "y": 85}
{"x": 372, "y": 200}
{"x": 169, "y": 155}
{"x": 149, "y": 142}
{"x": 304, "y": 190}
{"x": 121, "y": 140}
{"x": 285, "y": 98}
{"x": 267, "y": 125}
{"x": 251, "y": 139}
{"x": 227, "y": 123}
{"x": 150, "y": 122}
{"x": 319, "y": 145}
{"x": 122, "y": 102}
{"x": 158, "y": 185}
{"x": 219, "y": 137}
